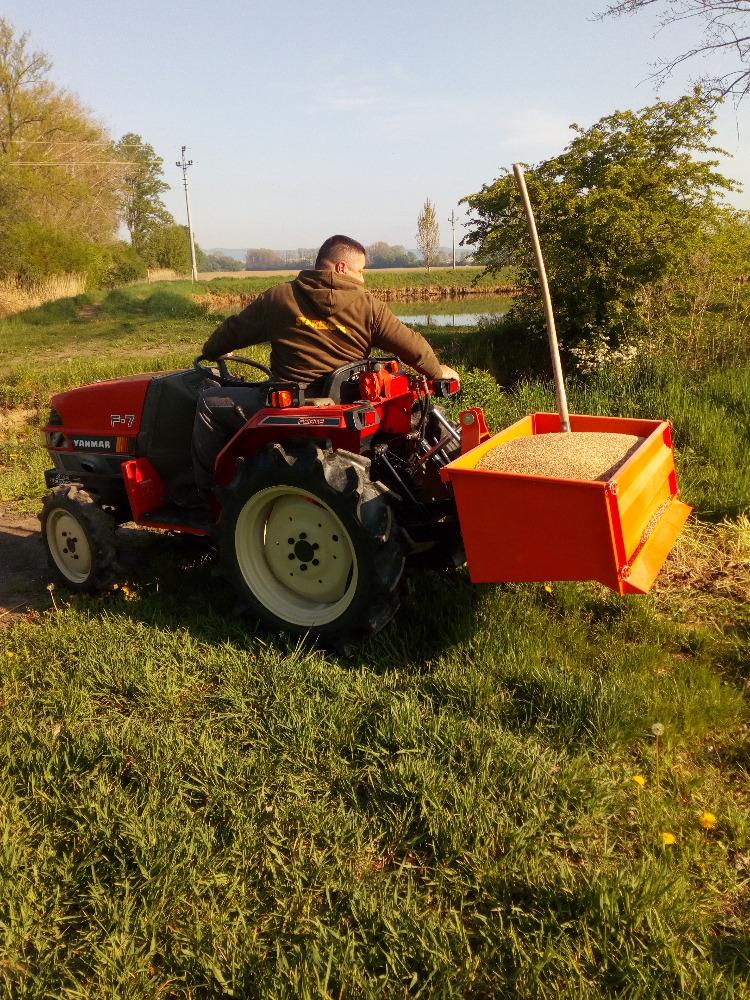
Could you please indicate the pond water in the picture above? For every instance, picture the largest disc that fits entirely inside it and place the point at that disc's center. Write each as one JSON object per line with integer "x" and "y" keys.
{"x": 452, "y": 312}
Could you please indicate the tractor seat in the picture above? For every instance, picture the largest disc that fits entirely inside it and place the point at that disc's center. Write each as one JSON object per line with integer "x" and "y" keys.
{"x": 220, "y": 413}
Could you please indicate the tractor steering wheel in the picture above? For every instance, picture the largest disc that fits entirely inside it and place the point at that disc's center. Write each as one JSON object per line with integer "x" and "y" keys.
{"x": 225, "y": 376}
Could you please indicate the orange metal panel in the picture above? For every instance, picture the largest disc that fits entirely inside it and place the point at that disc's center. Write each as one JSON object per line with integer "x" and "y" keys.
{"x": 517, "y": 527}
{"x": 653, "y": 446}
{"x": 532, "y": 528}
{"x": 639, "y": 577}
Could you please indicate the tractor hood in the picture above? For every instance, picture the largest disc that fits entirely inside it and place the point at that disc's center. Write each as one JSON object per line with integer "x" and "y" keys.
{"x": 111, "y": 408}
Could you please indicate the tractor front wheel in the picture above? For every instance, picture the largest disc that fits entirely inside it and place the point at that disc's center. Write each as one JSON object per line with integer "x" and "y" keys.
{"x": 80, "y": 539}
{"x": 309, "y": 542}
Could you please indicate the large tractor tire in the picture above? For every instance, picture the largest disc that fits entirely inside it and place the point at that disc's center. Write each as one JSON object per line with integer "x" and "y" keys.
{"x": 308, "y": 541}
{"x": 80, "y": 540}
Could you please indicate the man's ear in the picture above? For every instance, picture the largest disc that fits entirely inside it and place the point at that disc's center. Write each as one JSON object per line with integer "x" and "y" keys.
{"x": 341, "y": 267}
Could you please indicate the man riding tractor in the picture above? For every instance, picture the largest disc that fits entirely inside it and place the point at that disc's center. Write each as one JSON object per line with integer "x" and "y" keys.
{"x": 316, "y": 323}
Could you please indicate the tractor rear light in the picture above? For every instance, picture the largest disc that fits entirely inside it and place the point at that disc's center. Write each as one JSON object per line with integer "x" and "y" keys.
{"x": 281, "y": 398}
{"x": 371, "y": 418}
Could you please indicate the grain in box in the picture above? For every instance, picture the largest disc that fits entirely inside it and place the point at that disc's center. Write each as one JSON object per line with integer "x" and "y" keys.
{"x": 524, "y": 527}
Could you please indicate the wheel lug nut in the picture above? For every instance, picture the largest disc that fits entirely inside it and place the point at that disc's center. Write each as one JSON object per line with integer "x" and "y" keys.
{"x": 316, "y": 562}
{"x": 303, "y": 567}
{"x": 291, "y": 541}
{"x": 303, "y": 534}
{"x": 316, "y": 546}
{"x": 291, "y": 555}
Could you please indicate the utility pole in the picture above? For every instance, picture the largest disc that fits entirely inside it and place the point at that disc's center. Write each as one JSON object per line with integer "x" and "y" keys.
{"x": 452, "y": 221}
{"x": 184, "y": 164}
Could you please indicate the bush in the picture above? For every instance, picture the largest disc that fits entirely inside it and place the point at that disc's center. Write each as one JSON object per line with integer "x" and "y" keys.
{"x": 32, "y": 252}
{"x": 125, "y": 267}
{"x": 624, "y": 207}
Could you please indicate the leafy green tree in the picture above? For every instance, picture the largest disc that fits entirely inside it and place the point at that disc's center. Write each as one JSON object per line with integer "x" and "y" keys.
{"x": 31, "y": 251}
{"x": 59, "y": 155}
{"x": 428, "y": 233}
{"x": 262, "y": 258}
{"x": 382, "y": 254}
{"x": 142, "y": 187}
{"x": 125, "y": 265}
{"x": 24, "y": 88}
{"x": 168, "y": 246}
{"x": 221, "y": 262}
{"x": 623, "y": 207}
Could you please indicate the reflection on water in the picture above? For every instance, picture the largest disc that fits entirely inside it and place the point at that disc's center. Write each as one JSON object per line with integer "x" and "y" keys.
{"x": 452, "y": 312}
{"x": 446, "y": 319}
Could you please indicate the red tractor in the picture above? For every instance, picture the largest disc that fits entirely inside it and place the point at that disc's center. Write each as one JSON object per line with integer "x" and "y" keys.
{"x": 312, "y": 503}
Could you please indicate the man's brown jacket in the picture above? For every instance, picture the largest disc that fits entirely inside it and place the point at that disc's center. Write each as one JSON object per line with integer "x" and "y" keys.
{"x": 316, "y": 323}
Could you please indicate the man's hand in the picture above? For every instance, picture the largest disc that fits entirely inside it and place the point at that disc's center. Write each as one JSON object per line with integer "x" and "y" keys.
{"x": 446, "y": 372}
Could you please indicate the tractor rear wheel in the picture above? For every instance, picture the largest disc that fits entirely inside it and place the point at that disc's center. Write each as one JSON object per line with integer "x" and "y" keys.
{"x": 80, "y": 539}
{"x": 308, "y": 541}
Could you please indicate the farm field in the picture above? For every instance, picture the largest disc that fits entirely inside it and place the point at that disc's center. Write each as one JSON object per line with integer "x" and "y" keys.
{"x": 514, "y": 790}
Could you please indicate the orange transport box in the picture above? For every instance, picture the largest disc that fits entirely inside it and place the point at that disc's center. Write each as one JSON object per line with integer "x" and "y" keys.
{"x": 517, "y": 527}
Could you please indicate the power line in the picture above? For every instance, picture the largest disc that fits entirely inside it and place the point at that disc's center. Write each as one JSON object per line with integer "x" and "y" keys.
{"x": 81, "y": 142}
{"x": 73, "y": 163}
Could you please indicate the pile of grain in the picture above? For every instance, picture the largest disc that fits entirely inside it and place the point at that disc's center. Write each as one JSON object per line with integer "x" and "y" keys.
{"x": 580, "y": 455}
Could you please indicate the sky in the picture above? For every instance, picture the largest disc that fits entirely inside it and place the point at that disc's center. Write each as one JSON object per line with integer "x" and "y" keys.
{"x": 304, "y": 120}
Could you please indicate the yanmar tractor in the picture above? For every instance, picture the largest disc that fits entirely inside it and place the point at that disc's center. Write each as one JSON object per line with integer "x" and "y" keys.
{"x": 312, "y": 503}
{"x": 315, "y": 503}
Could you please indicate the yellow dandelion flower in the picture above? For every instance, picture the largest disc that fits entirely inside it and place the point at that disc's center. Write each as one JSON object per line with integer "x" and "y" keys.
{"x": 10, "y": 653}
{"x": 548, "y": 588}
{"x": 14, "y": 456}
{"x": 668, "y": 838}
{"x": 707, "y": 821}
{"x": 639, "y": 780}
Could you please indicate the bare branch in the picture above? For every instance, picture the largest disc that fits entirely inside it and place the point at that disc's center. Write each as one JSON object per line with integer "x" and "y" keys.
{"x": 726, "y": 31}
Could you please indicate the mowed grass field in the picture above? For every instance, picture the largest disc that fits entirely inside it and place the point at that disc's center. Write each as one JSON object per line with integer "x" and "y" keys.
{"x": 513, "y": 791}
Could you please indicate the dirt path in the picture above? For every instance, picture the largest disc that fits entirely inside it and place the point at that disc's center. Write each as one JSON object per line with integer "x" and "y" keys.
{"x": 23, "y": 566}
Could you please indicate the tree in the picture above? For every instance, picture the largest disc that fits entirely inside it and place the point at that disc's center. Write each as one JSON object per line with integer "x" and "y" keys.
{"x": 428, "y": 233}
{"x": 222, "y": 262}
{"x": 262, "y": 259}
{"x": 621, "y": 208}
{"x": 384, "y": 255}
{"x": 142, "y": 187}
{"x": 168, "y": 246}
{"x": 725, "y": 31}
{"x": 23, "y": 86}
{"x": 55, "y": 159}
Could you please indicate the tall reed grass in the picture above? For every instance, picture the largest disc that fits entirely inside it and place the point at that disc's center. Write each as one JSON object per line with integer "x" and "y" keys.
{"x": 17, "y": 296}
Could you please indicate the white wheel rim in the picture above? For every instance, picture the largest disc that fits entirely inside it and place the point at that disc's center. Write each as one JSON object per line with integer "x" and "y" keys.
{"x": 69, "y": 545}
{"x": 279, "y": 531}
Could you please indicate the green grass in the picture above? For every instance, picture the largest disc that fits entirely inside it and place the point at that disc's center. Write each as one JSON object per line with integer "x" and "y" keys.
{"x": 462, "y": 277}
{"x": 193, "y": 808}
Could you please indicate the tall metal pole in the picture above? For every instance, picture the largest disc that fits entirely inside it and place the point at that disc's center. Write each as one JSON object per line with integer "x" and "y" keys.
{"x": 184, "y": 164}
{"x": 452, "y": 221}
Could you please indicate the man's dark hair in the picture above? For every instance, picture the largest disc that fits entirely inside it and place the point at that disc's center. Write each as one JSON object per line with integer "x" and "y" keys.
{"x": 334, "y": 245}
